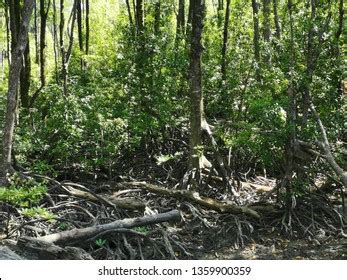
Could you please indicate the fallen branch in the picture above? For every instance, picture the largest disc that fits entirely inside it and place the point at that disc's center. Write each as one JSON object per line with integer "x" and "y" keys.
{"x": 210, "y": 203}
{"x": 78, "y": 235}
{"x": 124, "y": 203}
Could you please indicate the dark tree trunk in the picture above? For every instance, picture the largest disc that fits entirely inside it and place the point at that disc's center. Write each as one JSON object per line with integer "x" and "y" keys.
{"x": 129, "y": 12}
{"x": 276, "y": 19}
{"x": 157, "y": 11}
{"x": 139, "y": 16}
{"x": 37, "y": 54}
{"x": 196, "y": 95}
{"x": 266, "y": 20}
{"x": 15, "y": 18}
{"x": 87, "y": 27}
{"x": 13, "y": 81}
{"x": 190, "y": 16}
{"x": 291, "y": 122}
{"x": 7, "y": 20}
{"x": 310, "y": 65}
{"x": 43, "y": 15}
{"x": 266, "y": 32}
{"x": 61, "y": 45}
{"x": 225, "y": 40}
{"x": 25, "y": 77}
{"x": 80, "y": 29}
{"x": 55, "y": 41}
{"x": 180, "y": 28}
{"x": 256, "y": 36}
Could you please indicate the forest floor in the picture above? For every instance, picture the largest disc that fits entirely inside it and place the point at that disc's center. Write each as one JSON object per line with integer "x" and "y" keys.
{"x": 317, "y": 232}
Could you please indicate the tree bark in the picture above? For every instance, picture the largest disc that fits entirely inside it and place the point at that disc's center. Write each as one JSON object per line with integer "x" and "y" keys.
{"x": 225, "y": 40}
{"x": 266, "y": 32}
{"x": 139, "y": 16}
{"x": 87, "y": 27}
{"x": 266, "y": 21}
{"x": 14, "y": 75}
{"x": 80, "y": 30}
{"x": 25, "y": 75}
{"x": 157, "y": 17}
{"x": 220, "y": 206}
{"x": 180, "y": 28}
{"x": 129, "y": 13}
{"x": 276, "y": 20}
{"x": 256, "y": 37}
{"x": 196, "y": 95}
{"x": 43, "y": 15}
{"x": 78, "y": 235}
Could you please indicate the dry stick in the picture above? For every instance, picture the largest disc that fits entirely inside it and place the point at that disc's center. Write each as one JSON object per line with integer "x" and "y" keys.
{"x": 194, "y": 197}
{"x": 77, "y": 235}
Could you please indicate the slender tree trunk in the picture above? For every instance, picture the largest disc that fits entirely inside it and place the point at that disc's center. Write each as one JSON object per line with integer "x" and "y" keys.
{"x": 266, "y": 21}
{"x": 266, "y": 32}
{"x": 61, "y": 45}
{"x": 129, "y": 12}
{"x": 14, "y": 75}
{"x": 196, "y": 95}
{"x": 80, "y": 30}
{"x": 7, "y": 20}
{"x": 139, "y": 17}
{"x": 190, "y": 16}
{"x": 37, "y": 55}
{"x": 87, "y": 27}
{"x": 291, "y": 122}
{"x": 157, "y": 11}
{"x": 225, "y": 40}
{"x": 43, "y": 15}
{"x": 55, "y": 41}
{"x": 180, "y": 27}
{"x": 256, "y": 37}
{"x": 25, "y": 76}
{"x": 339, "y": 29}
{"x": 276, "y": 19}
{"x": 310, "y": 65}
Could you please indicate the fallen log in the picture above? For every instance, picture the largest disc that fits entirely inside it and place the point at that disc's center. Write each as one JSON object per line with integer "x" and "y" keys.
{"x": 222, "y": 207}
{"x": 77, "y": 235}
{"x": 35, "y": 249}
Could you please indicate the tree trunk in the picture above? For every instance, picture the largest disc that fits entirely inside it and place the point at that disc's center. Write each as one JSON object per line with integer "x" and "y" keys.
{"x": 14, "y": 75}
{"x": 256, "y": 37}
{"x": 61, "y": 46}
{"x": 225, "y": 40}
{"x": 129, "y": 13}
{"x": 25, "y": 77}
{"x": 87, "y": 27}
{"x": 291, "y": 122}
{"x": 157, "y": 11}
{"x": 80, "y": 30}
{"x": 276, "y": 19}
{"x": 266, "y": 32}
{"x": 66, "y": 54}
{"x": 37, "y": 54}
{"x": 196, "y": 96}
{"x": 55, "y": 41}
{"x": 180, "y": 28}
{"x": 266, "y": 20}
{"x": 139, "y": 16}
{"x": 43, "y": 15}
